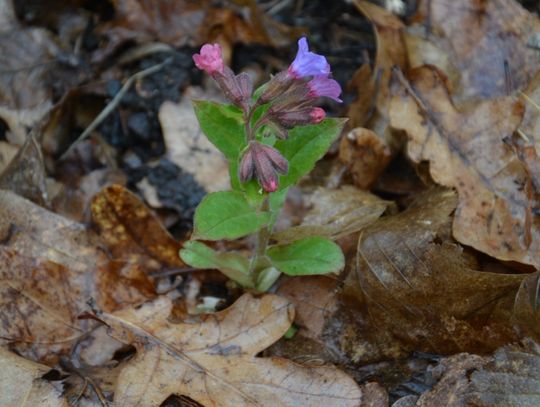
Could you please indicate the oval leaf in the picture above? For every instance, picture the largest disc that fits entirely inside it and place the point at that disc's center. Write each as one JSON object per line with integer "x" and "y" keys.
{"x": 226, "y": 215}
{"x": 305, "y": 146}
{"x": 313, "y": 255}
{"x": 219, "y": 124}
{"x": 233, "y": 265}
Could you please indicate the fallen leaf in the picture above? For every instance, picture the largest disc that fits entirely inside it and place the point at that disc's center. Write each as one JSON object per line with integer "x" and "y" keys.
{"x": 25, "y": 175}
{"x": 49, "y": 268}
{"x": 420, "y": 291}
{"x": 131, "y": 231}
{"x": 190, "y": 149}
{"x": 185, "y": 22}
{"x": 365, "y": 154}
{"x": 527, "y": 306}
{"x": 335, "y": 213}
{"x": 7, "y": 152}
{"x": 466, "y": 150}
{"x": 490, "y": 43}
{"x": 212, "y": 360}
{"x": 28, "y": 60}
{"x": 22, "y": 383}
{"x": 508, "y": 378}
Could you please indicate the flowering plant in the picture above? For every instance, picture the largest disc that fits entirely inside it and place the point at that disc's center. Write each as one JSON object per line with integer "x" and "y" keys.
{"x": 271, "y": 138}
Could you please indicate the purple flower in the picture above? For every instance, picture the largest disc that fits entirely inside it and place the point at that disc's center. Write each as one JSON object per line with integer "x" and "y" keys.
{"x": 263, "y": 162}
{"x": 324, "y": 86}
{"x": 308, "y": 63}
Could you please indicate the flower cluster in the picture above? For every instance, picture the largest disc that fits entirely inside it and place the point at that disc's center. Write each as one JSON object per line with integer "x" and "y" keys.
{"x": 290, "y": 96}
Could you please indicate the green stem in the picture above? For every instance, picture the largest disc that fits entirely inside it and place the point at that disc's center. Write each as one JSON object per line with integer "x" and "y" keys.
{"x": 263, "y": 236}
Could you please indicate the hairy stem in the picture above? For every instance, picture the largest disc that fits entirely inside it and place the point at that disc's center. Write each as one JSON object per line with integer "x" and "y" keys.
{"x": 263, "y": 236}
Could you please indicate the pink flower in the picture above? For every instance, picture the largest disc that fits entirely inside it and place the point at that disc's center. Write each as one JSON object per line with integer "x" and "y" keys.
{"x": 264, "y": 163}
{"x": 324, "y": 86}
{"x": 210, "y": 59}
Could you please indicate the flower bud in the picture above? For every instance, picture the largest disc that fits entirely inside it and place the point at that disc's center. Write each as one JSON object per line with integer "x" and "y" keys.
{"x": 299, "y": 117}
{"x": 263, "y": 162}
{"x": 278, "y": 85}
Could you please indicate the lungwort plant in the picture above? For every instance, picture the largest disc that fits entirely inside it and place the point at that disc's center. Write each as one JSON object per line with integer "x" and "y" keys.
{"x": 271, "y": 138}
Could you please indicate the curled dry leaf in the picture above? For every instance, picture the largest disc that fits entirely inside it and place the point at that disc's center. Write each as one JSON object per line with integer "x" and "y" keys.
{"x": 370, "y": 110}
{"x": 508, "y": 378}
{"x": 467, "y": 150}
{"x": 490, "y": 42}
{"x": 335, "y": 213}
{"x": 365, "y": 154}
{"x": 213, "y": 361}
{"x": 49, "y": 267}
{"x": 131, "y": 230}
{"x": 22, "y": 383}
{"x": 421, "y": 291}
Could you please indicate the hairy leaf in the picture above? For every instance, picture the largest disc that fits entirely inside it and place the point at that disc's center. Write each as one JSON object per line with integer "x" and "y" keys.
{"x": 233, "y": 265}
{"x": 224, "y": 131}
{"x": 312, "y": 255}
{"x": 226, "y": 215}
{"x": 305, "y": 146}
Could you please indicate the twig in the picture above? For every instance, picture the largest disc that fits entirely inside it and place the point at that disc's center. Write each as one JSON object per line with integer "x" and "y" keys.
{"x": 173, "y": 272}
{"x": 114, "y": 103}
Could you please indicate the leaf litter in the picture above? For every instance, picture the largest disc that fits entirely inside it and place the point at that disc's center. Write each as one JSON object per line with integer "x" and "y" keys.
{"x": 447, "y": 95}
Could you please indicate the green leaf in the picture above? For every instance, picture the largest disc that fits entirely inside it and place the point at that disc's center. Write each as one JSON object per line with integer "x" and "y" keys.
{"x": 222, "y": 125}
{"x": 313, "y": 255}
{"x": 226, "y": 215}
{"x": 305, "y": 146}
{"x": 233, "y": 265}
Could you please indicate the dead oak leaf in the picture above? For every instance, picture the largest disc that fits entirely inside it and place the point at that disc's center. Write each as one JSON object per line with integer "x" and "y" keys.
{"x": 421, "y": 291}
{"x": 49, "y": 267}
{"x": 492, "y": 43}
{"x": 212, "y": 360}
{"x": 22, "y": 383}
{"x": 466, "y": 150}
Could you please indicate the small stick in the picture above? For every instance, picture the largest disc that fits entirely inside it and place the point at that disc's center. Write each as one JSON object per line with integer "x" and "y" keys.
{"x": 114, "y": 103}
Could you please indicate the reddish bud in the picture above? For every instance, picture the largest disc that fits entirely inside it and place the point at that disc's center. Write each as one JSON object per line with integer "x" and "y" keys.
{"x": 263, "y": 162}
{"x": 317, "y": 114}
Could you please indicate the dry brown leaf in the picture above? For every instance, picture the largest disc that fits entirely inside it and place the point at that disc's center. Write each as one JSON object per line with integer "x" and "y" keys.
{"x": 421, "y": 291}
{"x": 27, "y": 58}
{"x": 527, "y": 306}
{"x": 492, "y": 43}
{"x": 7, "y": 152}
{"x": 22, "y": 383}
{"x": 365, "y": 154}
{"x": 185, "y": 22}
{"x": 49, "y": 267}
{"x": 188, "y": 148}
{"x": 335, "y": 213}
{"x": 390, "y": 49}
{"x": 131, "y": 231}
{"x": 212, "y": 360}
{"x": 508, "y": 378}
{"x": 467, "y": 150}
{"x": 25, "y": 175}
{"x": 370, "y": 110}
